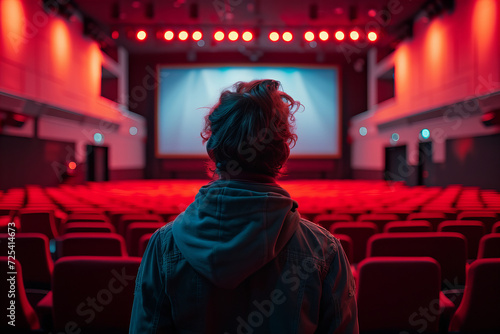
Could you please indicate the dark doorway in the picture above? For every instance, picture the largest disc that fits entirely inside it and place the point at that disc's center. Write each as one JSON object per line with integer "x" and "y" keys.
{"x": 396, "y": 165}
{"x": 97, "y": 163}
{"x": 424, "y": 163}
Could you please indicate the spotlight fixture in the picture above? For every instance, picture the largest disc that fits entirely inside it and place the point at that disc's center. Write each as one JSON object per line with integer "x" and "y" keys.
{"x": 323, "y": 35}
{"x": 197, "y": 35}
{"x": 274, "y": 36}
{"x": 141, "y": 35}
{"x": 287, "y": 36}
{"x": 354, "y": 35}
{"x": 233, "y": 36}
{"x": 247, "y": 36}
{"x": 219, "y": 35}
{"x": 309, "y": 36}
{"x": 339, "y": 36}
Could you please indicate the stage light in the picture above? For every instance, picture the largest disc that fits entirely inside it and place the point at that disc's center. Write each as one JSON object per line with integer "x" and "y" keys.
{"x": 354, "y": 35}
{"x": 183, "y": 35}
{"x": 372, "y": 36}
{"x": 133, "y": 130}
{"x": 197, "y": 35}
{"x": 141, "y": 35}
{"x": 168, "y": 35}
{"x": 219, "y": 36}
{"x": 115, "y": 34}
{"x": 323, "y": 35}
{"x": 233, "y": 36}
{"x": 363, "y": 131}
{"x": 287, "y": 36}
{"x": 339, "y": 35}
{"x": 72, "y": 165}
{"x": 247, "y": 36}
{"x": 274, "y": 36}
{"x": 372, "y": 13}
{"x": 309, "y": 36}
{"x": 425, "y": 134}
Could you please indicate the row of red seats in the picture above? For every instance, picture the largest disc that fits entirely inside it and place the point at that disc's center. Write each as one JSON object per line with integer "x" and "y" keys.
{"x": 394, "y": 294}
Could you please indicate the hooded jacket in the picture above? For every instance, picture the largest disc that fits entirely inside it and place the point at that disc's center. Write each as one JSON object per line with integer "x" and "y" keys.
{"x": 240, "y": 259}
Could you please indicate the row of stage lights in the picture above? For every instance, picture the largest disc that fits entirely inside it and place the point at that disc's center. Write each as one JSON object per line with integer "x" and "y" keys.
{"x": 248, "y": 36}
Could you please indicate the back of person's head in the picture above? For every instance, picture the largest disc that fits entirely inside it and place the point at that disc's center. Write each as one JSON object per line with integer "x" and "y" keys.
{"x": 251, "y": 129}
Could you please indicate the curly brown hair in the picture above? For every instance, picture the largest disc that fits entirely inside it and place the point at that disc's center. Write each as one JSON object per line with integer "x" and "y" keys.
{"x": 251, "y": 128}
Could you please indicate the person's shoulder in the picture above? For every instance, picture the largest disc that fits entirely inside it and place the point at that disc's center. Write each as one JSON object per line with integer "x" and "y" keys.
{"x": 316, "y": 240}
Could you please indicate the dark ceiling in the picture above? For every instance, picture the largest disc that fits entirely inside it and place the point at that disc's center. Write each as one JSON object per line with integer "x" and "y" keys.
{"x": 126, "y": 16}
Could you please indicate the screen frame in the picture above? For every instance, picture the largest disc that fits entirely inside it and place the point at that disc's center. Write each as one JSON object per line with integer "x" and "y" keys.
{"x": 160, "y": 67}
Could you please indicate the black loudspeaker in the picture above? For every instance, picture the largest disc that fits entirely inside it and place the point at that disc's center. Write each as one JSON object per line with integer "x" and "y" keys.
{"x": 193, "y": 10}
{"x": 150, "y": 10}
{"x": 313, "y": 11}
{"x": 491, "y": 118}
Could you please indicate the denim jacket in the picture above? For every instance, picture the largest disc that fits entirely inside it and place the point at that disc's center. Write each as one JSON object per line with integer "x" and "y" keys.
{"x": 241, "y": 260}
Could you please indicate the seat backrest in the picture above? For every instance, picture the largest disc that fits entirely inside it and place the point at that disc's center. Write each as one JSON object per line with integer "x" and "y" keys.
{"x": 432, "y": 217}
{"x": 21, "y": 313}
{"x": 472, "y": 230}
{"x": 448, "y": 248}
{"x": 391, "y": 291}
{"x": 489, "y": 246}
{"x": 408, "y": 226}
{"x": 32, "y": 250}
{"x": 90, "y": 244}
{"x": 125, "y": 220}
{"x": 488, "y": 218}
{"x": 34, "y": 221}
{"x": 326, "y": 220}
{"x": 143, "y": 243}
{"x": 87, "y": 217}
{"x": 379, "y": 219}
{"x": 107, "y": 281}
{"x": 480, "y": 307}
{"x": 346, "y": 243}
{"x": 87, "y": 227}
{"x": 359, "y": 232}
{"x": 134, "y": 233}
{"x": 496, "y": 227}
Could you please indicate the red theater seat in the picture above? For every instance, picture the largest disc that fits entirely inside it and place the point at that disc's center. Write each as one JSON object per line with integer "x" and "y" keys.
{"x": 93, "y": 294}
{"x": 496, "y": 227}
{"x": 359, "y": 232}
{"x": 379, "y": 219}
{"x": 408, "y": 226}
{"x": 432, "y": 217}
{"x": 346, "y": 243}
{"x": 38, "y": 222}
{"x": 23, "y": 314}
{"x": 489, "y": 246}
{"x": 125, "y": 220}
{"x": 391, "y": 291}
{"x": 143, "y": 244}
{"x": 471, "y": 230}
{"x": 326, "y": 220}
{"x": 91, "y": 244}
{"x": 479, "y": 310}
{"x": 87, "y": 217}
{"x": 134, "y": 233}
{"x": 32, "y": 251}
{"x": 88, "y": 227}
{"x": 488, "y": 218}
{"x": 448, "y": 248}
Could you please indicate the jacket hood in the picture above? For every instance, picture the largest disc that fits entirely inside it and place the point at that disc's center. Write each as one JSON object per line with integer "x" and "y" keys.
{"x": 233, "y": 228}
